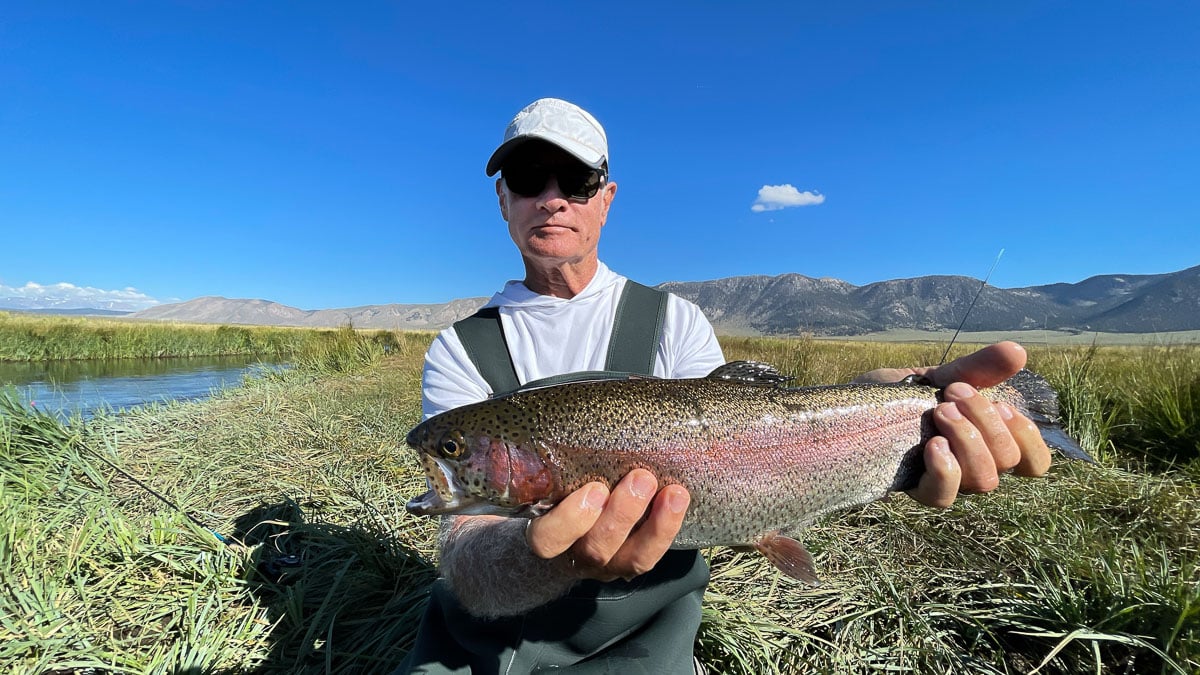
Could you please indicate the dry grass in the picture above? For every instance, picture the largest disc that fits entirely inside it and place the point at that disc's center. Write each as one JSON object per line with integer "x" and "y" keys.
{"x": 1091, "y": 569}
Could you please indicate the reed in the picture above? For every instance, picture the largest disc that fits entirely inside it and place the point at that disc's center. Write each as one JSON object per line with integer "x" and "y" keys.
{"x": 1090, "y": 569}
{"x": 26, "y": 337}
{"x": 1142, "y": 402}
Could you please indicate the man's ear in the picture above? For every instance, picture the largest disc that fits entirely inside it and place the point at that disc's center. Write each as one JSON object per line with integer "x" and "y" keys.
{"x": 503, "y": 201}
{"x": 609, "y": 191}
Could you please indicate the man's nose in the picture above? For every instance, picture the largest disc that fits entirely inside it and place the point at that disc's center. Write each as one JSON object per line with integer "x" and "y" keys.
{"x": 551, "y": 192}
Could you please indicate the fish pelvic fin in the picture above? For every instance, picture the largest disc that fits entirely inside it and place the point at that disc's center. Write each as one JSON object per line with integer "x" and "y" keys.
{"x": 789, "y": 556}
{"x": 1041, "y": 406}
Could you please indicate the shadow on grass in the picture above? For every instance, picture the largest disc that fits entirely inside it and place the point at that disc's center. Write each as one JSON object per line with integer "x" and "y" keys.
{"x": 350, "y": 600}
{"x": 341, "y": 599}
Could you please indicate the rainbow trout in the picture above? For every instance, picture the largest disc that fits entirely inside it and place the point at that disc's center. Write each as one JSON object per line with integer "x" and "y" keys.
{"x": 760, "y": 459}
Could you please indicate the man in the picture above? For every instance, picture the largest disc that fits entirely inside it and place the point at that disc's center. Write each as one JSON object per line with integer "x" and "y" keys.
{"x": 592, "y": 585}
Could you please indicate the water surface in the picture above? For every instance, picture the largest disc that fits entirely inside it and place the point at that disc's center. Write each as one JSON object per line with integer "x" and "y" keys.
{"x": 85, "y": 386}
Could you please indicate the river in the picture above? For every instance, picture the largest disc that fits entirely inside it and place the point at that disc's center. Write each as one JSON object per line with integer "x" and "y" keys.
{"x": 83, "y": 387}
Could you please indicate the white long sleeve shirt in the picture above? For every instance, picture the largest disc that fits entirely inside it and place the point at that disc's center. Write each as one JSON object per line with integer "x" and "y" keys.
{"x": 549, "y": 336}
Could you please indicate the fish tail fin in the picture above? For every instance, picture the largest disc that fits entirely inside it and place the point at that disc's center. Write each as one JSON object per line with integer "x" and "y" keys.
{"x": 1041, "y": 406}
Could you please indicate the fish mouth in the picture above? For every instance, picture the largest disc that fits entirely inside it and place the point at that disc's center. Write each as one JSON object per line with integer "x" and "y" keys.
{"x": 447, "y": 495}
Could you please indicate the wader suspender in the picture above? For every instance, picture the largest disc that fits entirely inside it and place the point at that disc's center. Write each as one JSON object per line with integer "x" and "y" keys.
{"x": 647, "y": 625}
{"x": 631, "y": 347}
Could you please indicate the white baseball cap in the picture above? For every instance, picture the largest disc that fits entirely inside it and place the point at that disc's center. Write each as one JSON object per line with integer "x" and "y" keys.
{"x": 555, "y": 121}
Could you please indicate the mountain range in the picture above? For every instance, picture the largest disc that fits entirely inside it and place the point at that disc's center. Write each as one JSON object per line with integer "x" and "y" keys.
{"x": 265, "y": 313}
{"x": 791, "y": 304}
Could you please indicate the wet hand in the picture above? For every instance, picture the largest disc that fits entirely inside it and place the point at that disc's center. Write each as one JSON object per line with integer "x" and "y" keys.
{"x": 608, "y": 536}
{"x": 980, "y": 439}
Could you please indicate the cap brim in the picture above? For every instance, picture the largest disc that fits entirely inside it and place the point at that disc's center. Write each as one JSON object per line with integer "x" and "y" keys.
{"x": 577, "y": 150}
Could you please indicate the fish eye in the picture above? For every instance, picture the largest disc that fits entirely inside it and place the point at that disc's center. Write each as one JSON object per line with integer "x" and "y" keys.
{"x": 452, "y": 444}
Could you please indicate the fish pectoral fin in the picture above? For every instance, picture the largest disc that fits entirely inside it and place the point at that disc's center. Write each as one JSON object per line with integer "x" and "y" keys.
{"x": 789, "y": 556}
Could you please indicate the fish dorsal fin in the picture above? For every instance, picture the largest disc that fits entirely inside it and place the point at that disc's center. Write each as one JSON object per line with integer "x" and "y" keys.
{"x": 749, "y": 372}
{"x": 573, "y": 378}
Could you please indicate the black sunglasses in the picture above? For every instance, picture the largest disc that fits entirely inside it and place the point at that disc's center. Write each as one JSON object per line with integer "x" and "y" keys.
{"x": 528, "y": 180}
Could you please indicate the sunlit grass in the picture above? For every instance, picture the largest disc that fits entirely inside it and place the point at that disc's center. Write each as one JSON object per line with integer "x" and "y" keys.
{"x": 1090, "y": 569}
{"x": 25, "y": 337}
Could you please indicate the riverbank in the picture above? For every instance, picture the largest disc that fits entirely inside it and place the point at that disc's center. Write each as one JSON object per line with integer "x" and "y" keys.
{"x": 302, "y": 474}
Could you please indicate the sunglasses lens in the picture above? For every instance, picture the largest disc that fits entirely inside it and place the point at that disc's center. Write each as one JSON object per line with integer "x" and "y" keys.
{"x": 530, "y": 180}
{"x": 527, "y": 181}
{"x": 579, "y": 184}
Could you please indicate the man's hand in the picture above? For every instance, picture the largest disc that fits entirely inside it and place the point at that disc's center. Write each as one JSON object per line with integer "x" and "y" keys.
{"x": 980, "y": 439}
{"x": 615, "y": 535}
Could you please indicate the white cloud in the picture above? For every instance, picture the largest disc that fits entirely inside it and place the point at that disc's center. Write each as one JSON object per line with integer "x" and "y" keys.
{"x": 69, "y": 296}
{"x": 775, "y": 197}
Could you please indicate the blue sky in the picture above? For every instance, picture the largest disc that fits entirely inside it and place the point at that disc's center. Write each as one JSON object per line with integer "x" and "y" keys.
{"x": 332, "y": 155}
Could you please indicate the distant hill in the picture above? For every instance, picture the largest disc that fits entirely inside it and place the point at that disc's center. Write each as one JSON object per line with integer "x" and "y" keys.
{"x": 266, "y": 313}
{"x": 791, "y": 304}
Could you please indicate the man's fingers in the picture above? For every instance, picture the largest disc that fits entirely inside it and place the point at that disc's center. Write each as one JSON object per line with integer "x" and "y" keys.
{"x": 992, "y": 428}
{"x": 611, "y": 535}
{"x": 983, "y": 368}
{"x": 626, "y": 507}
{"x": 939, "y": 484}
{"x": 552, "y": 534}
{"x": 886, "y": 375}
{"x": 1035, "y": 456}
{"x": 974, "y": 459}
{"x": 646, "y": 546}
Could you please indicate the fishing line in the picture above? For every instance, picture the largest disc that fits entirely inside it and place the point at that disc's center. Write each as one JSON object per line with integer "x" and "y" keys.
{"x": 971, "y": 306}
{"x": 154, "y": 492}
{"x": 272, "y": 568}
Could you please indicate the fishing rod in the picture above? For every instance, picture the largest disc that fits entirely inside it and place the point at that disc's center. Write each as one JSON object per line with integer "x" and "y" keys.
{"x": 154, "y": 492}
{"x": 971, "y": 306}
{"x": 273, "y": 568}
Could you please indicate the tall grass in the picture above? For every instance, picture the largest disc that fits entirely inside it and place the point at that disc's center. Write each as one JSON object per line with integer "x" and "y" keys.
{"x": 87, "y": 587}
{"x": 1143, "y": 402}
{"x": 1090, "y": 569}
{"x": 100, "y": 574}
{"x": 1073, "y": 574}
{"x": 44, "y": 338}
{"x": 346, "y": 350}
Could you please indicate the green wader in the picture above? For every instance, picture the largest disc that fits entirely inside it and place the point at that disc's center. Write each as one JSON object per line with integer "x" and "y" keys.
{"x": 646, "y": 625}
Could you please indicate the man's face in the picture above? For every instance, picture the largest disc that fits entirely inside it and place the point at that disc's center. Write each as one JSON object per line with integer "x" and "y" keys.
{"x": 552, "y": 227}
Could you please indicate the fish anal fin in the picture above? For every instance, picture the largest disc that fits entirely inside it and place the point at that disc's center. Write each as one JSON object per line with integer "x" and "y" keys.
{"x": 789, "y": 556}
